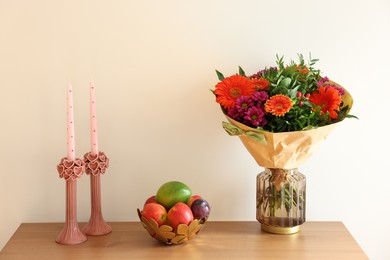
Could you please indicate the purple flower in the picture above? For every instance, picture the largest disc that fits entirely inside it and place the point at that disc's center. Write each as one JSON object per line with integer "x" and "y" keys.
{"x": 233, "y": 113}
{"x": 243, "y": 103}
{"x": 326, "y": 79}
{"x": 322, "y": 81}
{"x": 340, "y": 90}
{"x": 261, "y": 73}
{"x": 260, "y": 96}
{"x": 255, "y": 116}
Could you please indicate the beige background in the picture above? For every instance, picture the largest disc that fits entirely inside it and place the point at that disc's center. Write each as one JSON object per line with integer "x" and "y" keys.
{"x": 153, "y": 65}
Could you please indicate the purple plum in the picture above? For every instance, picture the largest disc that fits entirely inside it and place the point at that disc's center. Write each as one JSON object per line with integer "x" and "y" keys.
{"x": 200, "y": 209}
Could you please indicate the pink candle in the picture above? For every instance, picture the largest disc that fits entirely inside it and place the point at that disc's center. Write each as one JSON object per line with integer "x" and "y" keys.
{"x": 70, "y": 125}
{"x": 94, "y": 139}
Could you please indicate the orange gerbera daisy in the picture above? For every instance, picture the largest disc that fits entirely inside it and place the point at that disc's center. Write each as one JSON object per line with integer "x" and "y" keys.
{"x": 278, "y": 105}
{"x": 328, "y": 99}
{"x": 231, "y": 88}
{"x": 303, "y": 70}
{"x": 261, "y": 83}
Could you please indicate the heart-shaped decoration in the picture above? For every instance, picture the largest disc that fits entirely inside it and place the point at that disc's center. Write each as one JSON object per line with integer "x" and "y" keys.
{"x": 67, "y": 163}
{"x": 95, "y": 172}
{"x": 102, "y": 157}
{"x": 78, "y": 170}
{"x": 102, "y": 165}
{"x": 78, "y": 162}
{"x": 60, "y": 168}
{"x": 93, "y": 165}
{"x": 68, "y": 173}
{"x": 91, "y": 157}
{"x": 103, "y": 170}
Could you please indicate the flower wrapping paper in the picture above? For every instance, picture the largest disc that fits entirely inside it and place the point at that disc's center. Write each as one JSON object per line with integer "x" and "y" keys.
{"x": 286, "y": 150}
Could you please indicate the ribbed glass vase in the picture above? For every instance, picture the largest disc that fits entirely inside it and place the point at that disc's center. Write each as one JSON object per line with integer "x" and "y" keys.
{"x": 281, "y": 200}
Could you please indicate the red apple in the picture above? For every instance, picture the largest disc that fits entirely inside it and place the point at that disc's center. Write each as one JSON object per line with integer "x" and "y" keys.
{"x": 180, "y": 213}
{"x": 151, "y": 199}
{"x": 155, "y": 211}
{"x": 192, "y": 199}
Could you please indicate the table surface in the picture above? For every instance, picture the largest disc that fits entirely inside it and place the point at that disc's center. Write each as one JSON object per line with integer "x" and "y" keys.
{"x": 217, "y": 240}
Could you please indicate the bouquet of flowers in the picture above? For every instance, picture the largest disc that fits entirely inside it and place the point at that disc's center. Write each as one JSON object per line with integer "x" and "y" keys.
{"x": 283, "y": 98}
{"x": 288, "y": 100}
{"x": 281, "y": 115}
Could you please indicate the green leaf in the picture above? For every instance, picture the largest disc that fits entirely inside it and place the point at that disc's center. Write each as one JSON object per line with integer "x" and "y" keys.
{"x": 260, "y": 138}
{"x": 279, "y": 90}
{"x": 285, "y": 83}
{"x": 309, "y": 127}
{"x": 241, "y": 71}
{"x": 231, "y": 129}
{"x": 279, "y": 61}
{"x": 220, "y": 75}
{"x": 301, "y": 59}
{"x": 351, "y": 116}
{"x": 293, "y": 92}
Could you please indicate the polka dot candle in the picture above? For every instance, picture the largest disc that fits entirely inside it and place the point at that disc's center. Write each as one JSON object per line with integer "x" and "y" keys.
{"x": 94, "y": 137}
{"x": 70, "y": 125}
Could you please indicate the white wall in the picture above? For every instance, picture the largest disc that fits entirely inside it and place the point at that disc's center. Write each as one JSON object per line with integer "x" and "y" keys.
{"x": 153, "y": 65}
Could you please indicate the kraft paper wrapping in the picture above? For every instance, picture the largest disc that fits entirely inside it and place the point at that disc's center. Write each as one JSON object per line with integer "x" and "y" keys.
{"x": 286, "y": 150}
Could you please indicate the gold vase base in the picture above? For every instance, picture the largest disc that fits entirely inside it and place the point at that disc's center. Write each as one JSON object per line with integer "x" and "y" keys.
{"x": 280, "y": 230}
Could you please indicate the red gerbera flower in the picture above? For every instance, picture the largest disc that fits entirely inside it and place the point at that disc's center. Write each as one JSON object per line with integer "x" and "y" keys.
{"x": 261, "y": 83}
{"x": 278, "y": 105}
{"x": 328, "y": 99}
{"x": 231, "y": 88}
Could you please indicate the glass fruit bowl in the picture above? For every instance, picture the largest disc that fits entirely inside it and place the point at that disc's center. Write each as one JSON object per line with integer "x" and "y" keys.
{"x": 166, "y": 234}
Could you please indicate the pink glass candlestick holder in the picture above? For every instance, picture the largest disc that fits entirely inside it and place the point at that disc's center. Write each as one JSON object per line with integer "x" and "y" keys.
{"x": 70, "y": 170}
{"x": 95, "y": 166}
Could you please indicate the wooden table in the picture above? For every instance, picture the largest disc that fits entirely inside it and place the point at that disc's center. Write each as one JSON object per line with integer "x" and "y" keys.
{"x": 217, "y": 240}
